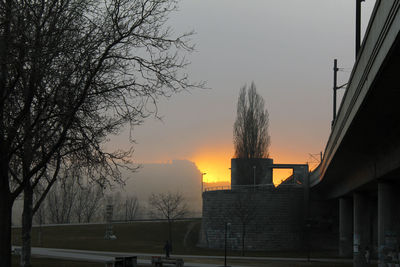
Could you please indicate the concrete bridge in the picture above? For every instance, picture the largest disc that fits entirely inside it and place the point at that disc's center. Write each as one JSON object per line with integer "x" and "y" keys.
{"x": 361, "y": 162}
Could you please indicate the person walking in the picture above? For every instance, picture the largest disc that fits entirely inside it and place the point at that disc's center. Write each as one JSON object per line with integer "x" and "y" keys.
{"x": 167, "y": 249}
{"x": 367, "y": 255}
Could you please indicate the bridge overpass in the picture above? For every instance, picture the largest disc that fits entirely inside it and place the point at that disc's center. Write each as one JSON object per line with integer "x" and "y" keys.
{"x": 361, "y": 162}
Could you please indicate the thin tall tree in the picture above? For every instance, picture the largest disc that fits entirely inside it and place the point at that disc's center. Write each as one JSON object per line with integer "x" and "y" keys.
{"x": 250, "y": 131}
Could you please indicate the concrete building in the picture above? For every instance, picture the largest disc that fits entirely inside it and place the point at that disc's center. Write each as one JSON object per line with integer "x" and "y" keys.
{"x": 269, "y": 217}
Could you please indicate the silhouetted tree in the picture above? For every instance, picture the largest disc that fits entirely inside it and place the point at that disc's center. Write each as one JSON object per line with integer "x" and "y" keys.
{"x": 62, "y": 197}
{"x": 170, "y": 206}
{"x": 244, "y": 209}
{"x": 72, "y": 72}
{"x": 250, "y": 131}
{"x": 125, "y": 207}
{"x": 88, "y": 200}
{"x": 131, "y": 207}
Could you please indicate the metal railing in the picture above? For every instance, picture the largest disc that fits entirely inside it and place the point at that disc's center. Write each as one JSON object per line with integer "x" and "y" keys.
{"x": 256, "y": 187}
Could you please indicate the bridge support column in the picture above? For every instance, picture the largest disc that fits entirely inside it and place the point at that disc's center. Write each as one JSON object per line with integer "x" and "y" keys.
{"x": 345, "y": 227}
{"x": 387, "y": 209}
{"x": 361, "y": 237}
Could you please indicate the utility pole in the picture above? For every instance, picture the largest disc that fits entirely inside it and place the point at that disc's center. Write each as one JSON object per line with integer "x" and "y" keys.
{"x": 202, "y": 186}
{"x": 335, "y": 88}
{"x": 335, "y": 69}
{"x": 227, "y": 229}
{"x": 358, "y": 26}
{"x": 254, "y": 178}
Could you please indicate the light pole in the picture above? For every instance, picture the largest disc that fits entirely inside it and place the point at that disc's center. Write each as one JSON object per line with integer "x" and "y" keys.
{"x": 227, "y": 228}
{"x": 308, "y": 227}
{"x": 358, "y": 25}
{"x": 254, "y": 177}
{"x": 202, "y": 187}
{"x": 230, "y": 169}
{"x": 335, "y": 88}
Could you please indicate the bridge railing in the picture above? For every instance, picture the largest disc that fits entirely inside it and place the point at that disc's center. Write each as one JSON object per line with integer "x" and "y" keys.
{"x": 315, "y": 176}
{"x": 379, "y": 37}
{"x": 257, "y": 187}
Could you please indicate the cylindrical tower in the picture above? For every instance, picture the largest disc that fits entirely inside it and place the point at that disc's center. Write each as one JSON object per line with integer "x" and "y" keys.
{"x": 251, "y": 171}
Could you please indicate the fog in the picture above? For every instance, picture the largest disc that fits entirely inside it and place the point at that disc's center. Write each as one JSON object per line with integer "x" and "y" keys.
{"x": 175, "y": 176}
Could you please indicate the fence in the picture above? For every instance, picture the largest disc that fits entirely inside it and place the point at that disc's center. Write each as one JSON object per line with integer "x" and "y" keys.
{"x": 244, "y": 187}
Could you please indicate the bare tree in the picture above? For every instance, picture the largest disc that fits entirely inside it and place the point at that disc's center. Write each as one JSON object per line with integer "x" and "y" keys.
{"x": 131, "y": 207}
{"x": 170, "y": 206}
{"x": 87, "y": 203}
{"x": 245, "y": 210}
{"x": 40, "y": 215}
{"x": 125, "y": 207}
{"x": 61, "y": 198}
{"x": 250, "y": 131}
{"x": 72, "y": 72}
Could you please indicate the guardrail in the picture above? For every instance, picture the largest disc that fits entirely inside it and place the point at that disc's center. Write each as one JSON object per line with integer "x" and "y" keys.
{"x": 256, "y": 187}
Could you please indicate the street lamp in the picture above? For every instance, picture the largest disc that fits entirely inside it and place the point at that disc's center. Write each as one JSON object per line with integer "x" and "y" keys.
{"x": 227, "y": 229}
{"x": 308, "y": 227}
{"x": 202, "y": 187}
{"x": 358, "y": 25}
{"x": 254, "y": 177}
{"x": 230, "y": 169}
{"x": 335, "y": 88}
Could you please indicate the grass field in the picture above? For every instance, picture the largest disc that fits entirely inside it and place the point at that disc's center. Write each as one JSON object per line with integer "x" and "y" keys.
{"x": 145, "y": 237}
{"x": 53, "y": 263}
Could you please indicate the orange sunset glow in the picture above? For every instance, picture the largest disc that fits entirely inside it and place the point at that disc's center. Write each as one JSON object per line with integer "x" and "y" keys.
{"x": 215, "y": 162}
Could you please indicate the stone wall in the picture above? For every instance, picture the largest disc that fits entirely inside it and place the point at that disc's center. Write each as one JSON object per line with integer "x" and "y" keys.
{"x": 324, "y": 224}
{"x": 276, "y": 218}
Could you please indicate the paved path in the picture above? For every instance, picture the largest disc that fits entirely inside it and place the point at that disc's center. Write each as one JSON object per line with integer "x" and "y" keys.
{"x": 98, "y": 256}
{"x": 140, "y": 254}
{"x": 144, "y": 258}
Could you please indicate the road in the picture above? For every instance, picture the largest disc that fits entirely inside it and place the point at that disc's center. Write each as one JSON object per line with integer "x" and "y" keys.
{"x": 190, "y": 260}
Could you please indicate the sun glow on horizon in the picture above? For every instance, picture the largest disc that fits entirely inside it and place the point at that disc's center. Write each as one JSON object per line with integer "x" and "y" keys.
{"x": 216, "y": 163}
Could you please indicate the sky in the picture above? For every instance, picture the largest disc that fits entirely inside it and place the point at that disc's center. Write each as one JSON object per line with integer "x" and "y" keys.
{"x": 286, "y": 47}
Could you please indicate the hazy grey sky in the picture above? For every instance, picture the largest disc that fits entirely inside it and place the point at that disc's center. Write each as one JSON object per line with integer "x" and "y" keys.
{"x": 286, "y": 47}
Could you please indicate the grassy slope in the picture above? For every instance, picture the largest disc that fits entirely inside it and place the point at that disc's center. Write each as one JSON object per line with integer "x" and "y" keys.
{"x": 146, "y": 237}
{"x": 59, "y": 263}
{"x": 131, "y": 237}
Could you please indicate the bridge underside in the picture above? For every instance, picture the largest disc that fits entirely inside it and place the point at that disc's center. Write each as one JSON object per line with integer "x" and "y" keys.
{"x": 361, "y": 162}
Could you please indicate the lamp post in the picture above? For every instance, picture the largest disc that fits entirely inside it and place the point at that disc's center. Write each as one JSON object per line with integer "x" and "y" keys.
{"x": 202, "y": 187}
{"x": 227, "y": 228}
{"x": 230, "y": 169}
{"x": 254, "y": 177}
{"x": 308, "y": 227}
{"x": 358, "y": 25}
{"x": 335, "y": 88}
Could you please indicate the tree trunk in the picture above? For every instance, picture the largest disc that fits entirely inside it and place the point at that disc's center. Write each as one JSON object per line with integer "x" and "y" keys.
{"x": 6, "y": 200}
{"x": 27, "y": 227}
{"x": 170, "y": 233}
{"x": 5, "y": 222}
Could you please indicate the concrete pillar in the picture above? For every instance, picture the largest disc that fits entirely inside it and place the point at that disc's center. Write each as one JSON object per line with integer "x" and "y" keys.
{"x": 387, "y": 239}
{"x": 345, "y": 227}
{"x": 361, "y": 229}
